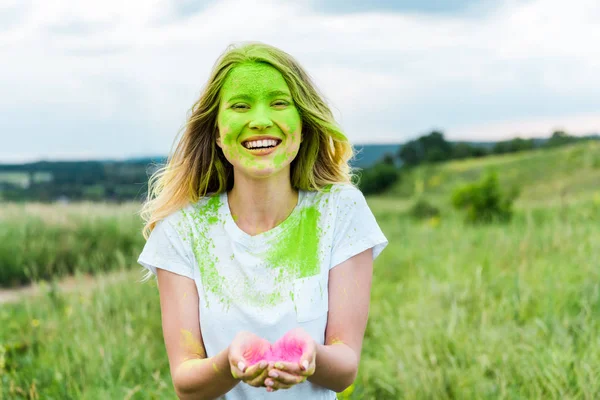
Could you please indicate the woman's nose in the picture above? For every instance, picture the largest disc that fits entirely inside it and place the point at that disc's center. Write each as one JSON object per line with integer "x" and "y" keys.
{"x": 260, "y": 120}
{"x": 260, "y": 123}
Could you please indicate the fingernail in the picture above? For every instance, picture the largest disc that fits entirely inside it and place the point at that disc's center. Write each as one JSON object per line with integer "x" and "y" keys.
{"x": 279, "y": 365}
{"x": 305, "y": 365}
{"x": 273, "y": 374}
{"x": 269, "y": 382}
{"x": 269, "y": 389}
{"x": 262, "y": 364}
{"x": 241, "y": 366}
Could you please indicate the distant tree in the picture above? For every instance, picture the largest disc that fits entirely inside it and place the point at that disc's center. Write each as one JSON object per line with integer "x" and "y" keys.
{"x": 388, "y": 158}
{"x": 462, "y": 150}
{"x": 436, "y": 147}
{"x": 560, "y": 138}
{"x": 430, "y": 148}
{"x": 480, "y": 152}
{"x": 513, "y": 146}
{"x": 411, "y": 153}
{"x": 378, "y": 178}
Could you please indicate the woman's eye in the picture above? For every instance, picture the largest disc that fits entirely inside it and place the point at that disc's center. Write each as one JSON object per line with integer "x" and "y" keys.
{"x": 281, "y": 103}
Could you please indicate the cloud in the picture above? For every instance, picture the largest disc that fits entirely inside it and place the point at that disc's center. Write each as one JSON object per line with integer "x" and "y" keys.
{"x": 135, "y": 68}
{"x": 587, "y": 123}
{"x": 405, "y": 6}
{"x": 12, "y": 13}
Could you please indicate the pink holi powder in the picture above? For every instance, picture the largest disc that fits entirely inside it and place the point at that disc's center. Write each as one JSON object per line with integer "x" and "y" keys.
{"x": 288, "y": 348}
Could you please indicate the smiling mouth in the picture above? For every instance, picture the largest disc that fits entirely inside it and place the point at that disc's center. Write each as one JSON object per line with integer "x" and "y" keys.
{"x": 261, "y": 144}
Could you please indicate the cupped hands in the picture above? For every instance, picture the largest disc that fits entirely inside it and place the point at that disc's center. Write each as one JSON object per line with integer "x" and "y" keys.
{"x": 288, "y": 362}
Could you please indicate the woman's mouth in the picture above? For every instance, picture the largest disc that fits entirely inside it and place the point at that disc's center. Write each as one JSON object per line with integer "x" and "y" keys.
{"x": 261, "y": 146}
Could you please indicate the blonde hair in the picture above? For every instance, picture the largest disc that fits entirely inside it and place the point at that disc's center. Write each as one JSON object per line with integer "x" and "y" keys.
{"x": 198, "y": 167}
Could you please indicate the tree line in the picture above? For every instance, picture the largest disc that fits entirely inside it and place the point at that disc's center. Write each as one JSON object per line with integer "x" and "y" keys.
{"x": 434, "y": 148}
{"x": 128, "y": 180}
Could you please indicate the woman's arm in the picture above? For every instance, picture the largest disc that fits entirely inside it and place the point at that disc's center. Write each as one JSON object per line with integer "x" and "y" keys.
{"x": 349, "y": 297}
{"x": 194, "y": 376}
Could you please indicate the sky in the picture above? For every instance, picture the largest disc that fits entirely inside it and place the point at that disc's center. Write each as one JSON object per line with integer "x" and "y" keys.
{"x": 116, "y": 79}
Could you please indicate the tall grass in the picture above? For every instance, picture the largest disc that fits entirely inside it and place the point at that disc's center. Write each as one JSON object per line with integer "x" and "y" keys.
{"x": 104, "y": 344}
{"x": 50, "y": 241}
{"x": 458, "y": 312}
{"x": 487, "y": 312}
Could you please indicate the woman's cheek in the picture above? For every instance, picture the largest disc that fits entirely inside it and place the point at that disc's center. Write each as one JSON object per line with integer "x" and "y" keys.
{"x": 230, "y": 145}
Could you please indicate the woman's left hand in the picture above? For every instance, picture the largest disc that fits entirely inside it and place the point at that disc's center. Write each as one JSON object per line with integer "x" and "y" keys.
{"x": 283, "y": 374}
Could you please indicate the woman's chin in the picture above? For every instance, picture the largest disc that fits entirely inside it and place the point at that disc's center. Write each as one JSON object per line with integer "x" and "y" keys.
{"x": 262, "y": 171}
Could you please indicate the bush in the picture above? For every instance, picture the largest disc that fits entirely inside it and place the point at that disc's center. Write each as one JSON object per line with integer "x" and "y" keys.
{"x": 484, "y": 201}
{"x": 378, "y": 178}
{"x": 422, "y": 209}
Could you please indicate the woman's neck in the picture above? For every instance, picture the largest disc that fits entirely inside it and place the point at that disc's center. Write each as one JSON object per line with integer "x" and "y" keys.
{"x": 258, "y": 205}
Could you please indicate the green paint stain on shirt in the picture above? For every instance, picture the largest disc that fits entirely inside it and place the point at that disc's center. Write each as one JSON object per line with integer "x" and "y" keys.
{"x": 203, "y": 246}
{"x": 297, "y": 249}
{"x": 290, "y": 253}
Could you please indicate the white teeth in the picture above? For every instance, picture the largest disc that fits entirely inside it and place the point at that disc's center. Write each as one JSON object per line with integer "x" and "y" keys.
{"x": 261, "y": 143}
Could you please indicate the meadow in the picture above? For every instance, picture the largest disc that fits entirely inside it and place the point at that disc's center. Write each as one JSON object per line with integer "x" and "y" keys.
{"x": 501, "y": 311}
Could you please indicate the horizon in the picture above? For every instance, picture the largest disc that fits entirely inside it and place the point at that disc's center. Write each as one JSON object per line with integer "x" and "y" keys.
{"x": 154, "y": 156}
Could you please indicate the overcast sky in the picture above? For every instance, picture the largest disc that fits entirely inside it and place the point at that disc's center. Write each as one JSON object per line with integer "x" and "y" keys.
{"x": 115, "y": 79}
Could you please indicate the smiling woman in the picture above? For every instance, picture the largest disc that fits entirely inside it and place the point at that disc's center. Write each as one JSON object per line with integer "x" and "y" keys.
{"x": 256, "y": 95}
{"x": 256, "y": 234}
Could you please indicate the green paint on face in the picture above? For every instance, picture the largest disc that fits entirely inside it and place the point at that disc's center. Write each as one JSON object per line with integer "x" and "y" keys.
{"x": 256, "y": 101}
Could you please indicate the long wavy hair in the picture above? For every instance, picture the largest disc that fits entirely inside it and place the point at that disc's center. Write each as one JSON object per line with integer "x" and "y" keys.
{"x": 197, "y": 166}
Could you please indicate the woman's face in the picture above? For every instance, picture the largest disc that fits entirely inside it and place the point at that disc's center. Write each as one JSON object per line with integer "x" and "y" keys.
{"x": 259, "y": 125}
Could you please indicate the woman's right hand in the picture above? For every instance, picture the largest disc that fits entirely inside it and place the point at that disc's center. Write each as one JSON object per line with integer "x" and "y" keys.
{"x": 245, "y": 347}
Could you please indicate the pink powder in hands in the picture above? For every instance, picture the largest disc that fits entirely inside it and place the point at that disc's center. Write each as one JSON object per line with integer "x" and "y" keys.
{"x": 288, "y": 348}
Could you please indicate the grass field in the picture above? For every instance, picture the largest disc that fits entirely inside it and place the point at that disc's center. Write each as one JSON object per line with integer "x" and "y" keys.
{"x": 458, "y": 311}
{"x": 39, "y": 241}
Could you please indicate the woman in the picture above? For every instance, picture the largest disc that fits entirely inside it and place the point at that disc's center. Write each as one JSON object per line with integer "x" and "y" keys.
{"x": 262, "y": 248}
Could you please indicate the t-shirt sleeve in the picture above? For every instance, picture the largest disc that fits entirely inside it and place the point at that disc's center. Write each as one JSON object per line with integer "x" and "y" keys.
{"x": 165, "y": 249}
{"x": 356, "y": 228}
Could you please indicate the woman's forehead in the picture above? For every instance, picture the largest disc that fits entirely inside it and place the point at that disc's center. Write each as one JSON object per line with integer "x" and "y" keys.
{"x": 255, "y": 77}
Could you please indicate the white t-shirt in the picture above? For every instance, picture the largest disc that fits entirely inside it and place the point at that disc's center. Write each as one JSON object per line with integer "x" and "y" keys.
{"x": 269, "y": 283}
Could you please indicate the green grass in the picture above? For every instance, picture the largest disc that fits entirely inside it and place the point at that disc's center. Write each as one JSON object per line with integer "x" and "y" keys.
{"x": 104, "y": 344}
{"x": 487, "y": 312}
{"x": 541, "y": 174}
{"x": 49, "y": 241}
{"x": 458, "y": 311}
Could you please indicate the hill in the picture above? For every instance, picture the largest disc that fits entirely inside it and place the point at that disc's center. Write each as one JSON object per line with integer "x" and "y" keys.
{"x": 368, "y": 154}
{"x": 112, "y": 180}
{"x": 541, "y": 174}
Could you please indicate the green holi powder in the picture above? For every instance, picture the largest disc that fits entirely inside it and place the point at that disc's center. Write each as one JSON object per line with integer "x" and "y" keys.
{"x": 297, "y": 249}
{"x": 279, "y": 159}
{"x": 202, "y": 246}
{"x": 247, "y": 97}
{"x": 292, "y": 254}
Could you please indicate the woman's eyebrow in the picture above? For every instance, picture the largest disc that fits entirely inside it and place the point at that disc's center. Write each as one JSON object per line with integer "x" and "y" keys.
{"x": 248, "y": 97}
{"x": 279, "y": 93}
{"x": 241, "y": 97}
